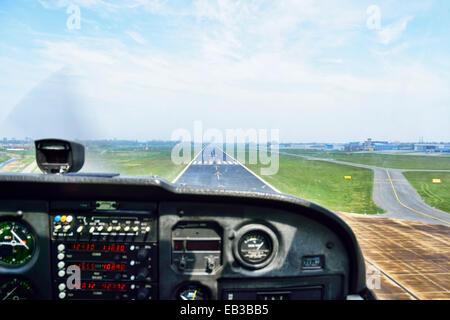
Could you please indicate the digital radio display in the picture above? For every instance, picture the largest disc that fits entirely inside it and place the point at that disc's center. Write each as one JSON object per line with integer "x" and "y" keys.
{"x": 116, "y": 247}
{"x": 106, "y": 286}
{"x": 91, "y": 266}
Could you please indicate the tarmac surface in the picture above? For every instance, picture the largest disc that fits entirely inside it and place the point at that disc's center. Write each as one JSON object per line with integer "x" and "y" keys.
{"x": 411, "y": 258}
{"x": 212, "y": 168}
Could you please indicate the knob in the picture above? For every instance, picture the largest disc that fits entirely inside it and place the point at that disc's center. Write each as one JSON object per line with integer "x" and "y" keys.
{"x": 210, "y": 264}
{"x": 142, "y": 274}
{"x": 143, "y": 294}
{"x": 182, "y": 263}
{"x": 142, "y": 254}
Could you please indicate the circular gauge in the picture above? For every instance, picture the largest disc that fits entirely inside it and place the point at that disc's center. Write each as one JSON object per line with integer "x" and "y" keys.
{"x": 15, "y": 289}
{"x": 17, "y": 243}
{"x": 255, "y": 246}
{"x": 193, "y": 291}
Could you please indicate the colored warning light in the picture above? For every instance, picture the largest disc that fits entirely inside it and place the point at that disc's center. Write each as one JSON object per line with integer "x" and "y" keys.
{"x": 63, "y": 219}
{"x": 57, "y": 218}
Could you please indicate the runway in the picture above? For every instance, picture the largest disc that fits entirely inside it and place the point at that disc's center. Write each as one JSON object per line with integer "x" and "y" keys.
{"x": 212, "y": 168}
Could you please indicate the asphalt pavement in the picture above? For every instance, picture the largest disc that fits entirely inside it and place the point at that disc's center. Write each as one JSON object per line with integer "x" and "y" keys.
{"x": 212, "y": 168}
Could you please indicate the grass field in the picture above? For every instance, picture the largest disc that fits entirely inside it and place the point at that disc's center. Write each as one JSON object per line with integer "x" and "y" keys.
{"x": 126, "y": 160}
{"x": 324, "y": 183}
{"x": 381, "y": 160}
{"x": 132, "y": 161}
{"x": 3, "y": 157}
{"x": 435, "y": 194}
{"x": 25, "y": 158}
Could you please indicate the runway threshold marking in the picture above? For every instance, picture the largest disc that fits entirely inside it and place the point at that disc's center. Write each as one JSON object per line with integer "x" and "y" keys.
{"x": 404, "y": 205}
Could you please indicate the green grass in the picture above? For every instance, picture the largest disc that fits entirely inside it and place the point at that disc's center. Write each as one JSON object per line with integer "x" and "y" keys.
{"x": 3, "y": 158}
{"x": 435, "y": 194}
{"x": 381, "y": 160}
{"x": 126, "y": 160}
{"x": 133, "y": 161}
{"x": 324, "y": 183}
{"x": 25, "y": 158}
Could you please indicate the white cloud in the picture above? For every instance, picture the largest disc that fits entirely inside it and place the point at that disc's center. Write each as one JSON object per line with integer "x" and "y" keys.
{"x": 332, "y": 60}
{"x": 393, "y": 32}
{"x": 136, "y": 37}
{"x": 275, "y": 63}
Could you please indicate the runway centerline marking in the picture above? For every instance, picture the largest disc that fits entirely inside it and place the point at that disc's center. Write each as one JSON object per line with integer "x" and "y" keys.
{"x": 404, "y": 205}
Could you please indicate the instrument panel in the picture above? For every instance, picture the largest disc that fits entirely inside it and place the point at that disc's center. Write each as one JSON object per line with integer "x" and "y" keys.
{"x": 113, "y": 254}
{"x": 182, "y": 249}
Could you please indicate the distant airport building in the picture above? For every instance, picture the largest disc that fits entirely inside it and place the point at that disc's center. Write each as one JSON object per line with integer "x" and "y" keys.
{"x": 314, "y": 146}
{"x": 406, "y": 146}
{"x": 338, "y": 147}
{"x": 372, "y": 145}
{"x": 384, "y": 146}
{"x": 354, "y": 146}
{"x": 432, "y": 147}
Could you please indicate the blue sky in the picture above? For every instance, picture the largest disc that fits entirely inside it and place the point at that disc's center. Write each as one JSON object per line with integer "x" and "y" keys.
{"x": 315, "y": 70}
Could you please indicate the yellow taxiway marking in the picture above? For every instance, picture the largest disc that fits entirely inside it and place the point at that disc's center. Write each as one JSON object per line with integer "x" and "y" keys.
{"x": 396, "y": 196}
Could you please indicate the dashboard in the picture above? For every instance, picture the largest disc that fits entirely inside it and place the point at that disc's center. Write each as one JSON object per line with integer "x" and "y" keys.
{"x": 87, "y": 237}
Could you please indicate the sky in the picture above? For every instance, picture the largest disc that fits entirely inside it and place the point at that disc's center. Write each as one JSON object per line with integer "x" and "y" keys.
{"x": 323, "y": 71}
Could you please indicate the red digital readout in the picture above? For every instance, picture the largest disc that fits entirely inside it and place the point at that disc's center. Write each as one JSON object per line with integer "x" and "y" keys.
{"x": 113, "y": 266}
{"x": 113, "y": 247}
{"x": 113, "y": 286}
{"x": 97, "y": 247}
{"x": 88, "y": 285}
{"x": 107, "y": 286}
{"x": 91, "y": 266}
{"x": 83, "y": 246}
